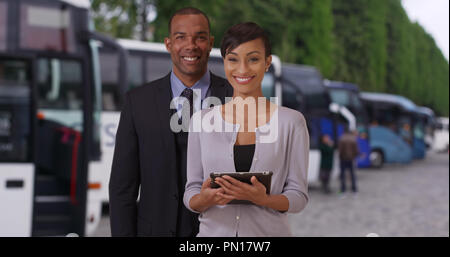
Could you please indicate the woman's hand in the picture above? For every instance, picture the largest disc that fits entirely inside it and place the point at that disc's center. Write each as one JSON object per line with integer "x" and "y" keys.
{"x": 213, "y": 196}
{"x": 235, "y": 189}
{"x": 209, "y": 197}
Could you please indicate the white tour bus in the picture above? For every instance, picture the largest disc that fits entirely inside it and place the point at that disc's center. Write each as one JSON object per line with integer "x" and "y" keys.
{"x": 50, "y": 99}
{"x": 441, "y": 135}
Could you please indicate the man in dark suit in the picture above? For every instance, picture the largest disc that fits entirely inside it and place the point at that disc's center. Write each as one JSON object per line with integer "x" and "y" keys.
{"x": 149, "y": 157}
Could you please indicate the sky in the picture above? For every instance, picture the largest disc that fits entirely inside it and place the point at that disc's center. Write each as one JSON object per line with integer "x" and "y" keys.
{"x": 433, "y": 16}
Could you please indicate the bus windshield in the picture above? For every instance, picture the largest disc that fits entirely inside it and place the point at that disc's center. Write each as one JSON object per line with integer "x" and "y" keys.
{"x": 14, "y": 110}
{"x": 351, "y": 100}
{"x": 308, "y": 82}
{"x": 60, "y": 91}
{"x": 3, "y": 19}
{"x": 46, "y": 28}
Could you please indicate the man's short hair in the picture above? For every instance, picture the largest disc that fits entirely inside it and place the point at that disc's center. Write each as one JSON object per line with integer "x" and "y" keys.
{"x": 187, "y": 11}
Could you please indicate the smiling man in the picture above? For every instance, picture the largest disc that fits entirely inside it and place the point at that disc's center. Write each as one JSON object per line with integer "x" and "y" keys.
{"x": 189, "y": 44}
{"x": 150, "y": 158}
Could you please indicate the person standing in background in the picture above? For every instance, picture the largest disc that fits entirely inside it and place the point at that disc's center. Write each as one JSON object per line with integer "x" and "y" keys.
{"x": 326, "y": 162}
{"x": 348, "y": 151}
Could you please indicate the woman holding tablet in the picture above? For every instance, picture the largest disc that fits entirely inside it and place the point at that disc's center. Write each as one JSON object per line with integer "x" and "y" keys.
{"x": 247, "y": 134}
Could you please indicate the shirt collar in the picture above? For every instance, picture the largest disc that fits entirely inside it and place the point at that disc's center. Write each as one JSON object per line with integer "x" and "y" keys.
{"x": 178, "y": 86}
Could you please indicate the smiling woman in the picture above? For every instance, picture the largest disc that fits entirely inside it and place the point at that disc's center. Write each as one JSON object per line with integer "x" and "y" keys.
{"x": 247, "y": 55}
{"x": 245, "y": 66}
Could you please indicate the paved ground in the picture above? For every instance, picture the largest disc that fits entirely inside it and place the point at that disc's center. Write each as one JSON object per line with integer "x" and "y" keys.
{"x": 398, "y": 200}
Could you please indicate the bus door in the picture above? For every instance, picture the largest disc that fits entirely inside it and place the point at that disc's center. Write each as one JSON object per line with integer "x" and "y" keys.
{"x": 62, "y": 89}
{"x": 418, "y": 131}
{"x": 16, "y": 146}
{"x": 43, "y": 169}
{"x": 46, "y": 117}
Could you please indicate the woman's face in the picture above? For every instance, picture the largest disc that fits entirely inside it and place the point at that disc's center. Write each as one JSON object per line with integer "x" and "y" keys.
{"x": 245, "y": 67}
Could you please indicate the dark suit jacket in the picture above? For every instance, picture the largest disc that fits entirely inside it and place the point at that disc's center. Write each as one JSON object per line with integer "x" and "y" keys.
{"x": 144, "y": 162}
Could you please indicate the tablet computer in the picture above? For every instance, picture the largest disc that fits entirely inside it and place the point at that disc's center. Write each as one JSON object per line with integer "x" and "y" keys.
{"x": 265, "y": 177}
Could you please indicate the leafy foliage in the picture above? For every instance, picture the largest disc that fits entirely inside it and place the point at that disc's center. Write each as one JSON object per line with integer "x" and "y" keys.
{"x": 368, "y": 42}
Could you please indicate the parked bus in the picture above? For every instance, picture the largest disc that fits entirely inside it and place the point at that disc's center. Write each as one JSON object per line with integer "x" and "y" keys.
{"x": 429, "y": 121}
{"x": 441, "y": 135}
{"x": 421, "y": 119}
{"x": 392, "y": 120}
{"x": 49, "y": 117}
{"x": 304, "y": 90}
{"x": 146, "y": 62}
{"x": 347, "y": 94}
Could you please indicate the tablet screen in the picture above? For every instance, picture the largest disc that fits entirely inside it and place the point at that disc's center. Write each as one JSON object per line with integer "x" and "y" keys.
{"x": 265, "y": 177}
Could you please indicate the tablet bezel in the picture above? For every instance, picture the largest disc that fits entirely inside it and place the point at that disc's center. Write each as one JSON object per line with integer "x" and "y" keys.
{"x": 265, "y": 177}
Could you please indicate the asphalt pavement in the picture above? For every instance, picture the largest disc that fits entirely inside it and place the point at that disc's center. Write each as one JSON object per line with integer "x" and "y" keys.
{"x": 397, "y": 200}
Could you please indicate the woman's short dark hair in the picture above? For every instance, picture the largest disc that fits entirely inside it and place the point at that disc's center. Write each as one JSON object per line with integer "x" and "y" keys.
{"x": 242, "y": 33}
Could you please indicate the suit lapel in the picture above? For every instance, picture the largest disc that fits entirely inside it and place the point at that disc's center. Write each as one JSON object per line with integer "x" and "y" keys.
{"x": 163, "y": 99}
{"x": 219, "y": 88}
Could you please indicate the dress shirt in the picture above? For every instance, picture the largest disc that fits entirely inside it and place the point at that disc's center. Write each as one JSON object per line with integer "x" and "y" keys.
{"x": 177, "y": 88}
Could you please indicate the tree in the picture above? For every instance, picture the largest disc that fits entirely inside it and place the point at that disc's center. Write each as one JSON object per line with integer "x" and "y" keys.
{"x": 360, "y": 37}
{"x": 368, "y": 42}
{"x": 122, "y": 19}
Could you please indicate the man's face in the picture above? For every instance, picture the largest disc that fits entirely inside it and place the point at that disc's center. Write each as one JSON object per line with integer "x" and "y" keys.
{"x": 189, "y": 45}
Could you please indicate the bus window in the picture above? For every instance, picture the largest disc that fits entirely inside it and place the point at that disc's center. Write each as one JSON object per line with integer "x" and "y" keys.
{"x": 404, "y": 128}
{"x": 157, "y": 66}
{"x": 14, "y": 111}
{"x": 215, "y": 65}
{"x": 312, "y": 84}
{"x": 359, "y": 110}
{"x": 60, "y": 91}
{"x": 3, "y": 19}
{"x": 135, "y": 76}
{"x": 309, "y": 82}
{"x": 268, "y": 85}
{"x": 109, "y": 70}
{"x": 292, "y": 98}
{"x": 340, "y": 97}
{"x": 46, "y": 28}
{"x": 356, "y": 102}
{"x": 314, "y": 131}
{"x": 419, "y": 130}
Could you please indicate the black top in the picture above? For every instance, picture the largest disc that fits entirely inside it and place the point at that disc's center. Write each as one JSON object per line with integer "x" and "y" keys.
{"x": 243, "y": 157}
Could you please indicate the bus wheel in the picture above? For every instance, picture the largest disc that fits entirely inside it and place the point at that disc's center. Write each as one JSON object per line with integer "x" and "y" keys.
{"x": 376, "y": 159}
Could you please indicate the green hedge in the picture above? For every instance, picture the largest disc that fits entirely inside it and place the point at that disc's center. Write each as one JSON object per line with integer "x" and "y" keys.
{"x": 369, "y": 42}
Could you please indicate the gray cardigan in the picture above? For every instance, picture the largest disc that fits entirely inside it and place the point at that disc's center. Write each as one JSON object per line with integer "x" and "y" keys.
{"x": 285, "y": 153}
